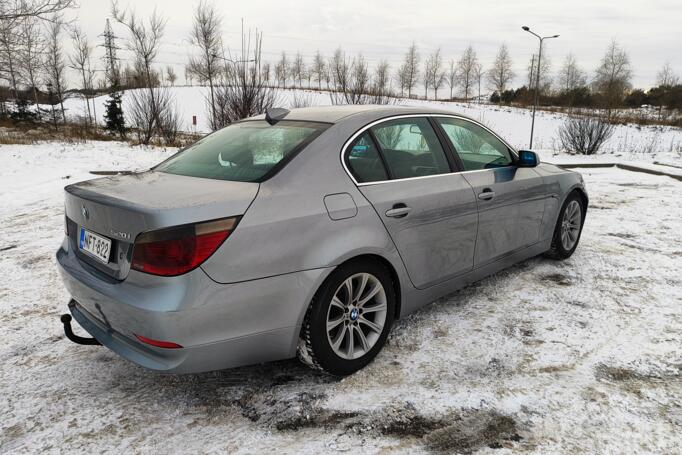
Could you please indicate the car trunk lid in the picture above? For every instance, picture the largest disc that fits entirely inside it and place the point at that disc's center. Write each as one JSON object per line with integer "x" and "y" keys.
{"x": 123, "y": 206}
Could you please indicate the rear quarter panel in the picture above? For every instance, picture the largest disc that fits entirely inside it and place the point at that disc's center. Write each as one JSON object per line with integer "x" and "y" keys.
{"x": 288, "y": 228}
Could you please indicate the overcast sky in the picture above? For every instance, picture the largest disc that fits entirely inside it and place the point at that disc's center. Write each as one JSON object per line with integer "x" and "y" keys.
{"x": 651, "y": 31}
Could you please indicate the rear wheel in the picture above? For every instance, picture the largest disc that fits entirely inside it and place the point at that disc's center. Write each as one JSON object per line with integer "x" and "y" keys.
{"x": 349, "y": 318}
{"x": 568, "y": 228}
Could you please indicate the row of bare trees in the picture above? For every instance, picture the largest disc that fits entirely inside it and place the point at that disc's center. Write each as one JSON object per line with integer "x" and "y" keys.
{"x": 32, "y": 56}
{"x": 465, "y": 77}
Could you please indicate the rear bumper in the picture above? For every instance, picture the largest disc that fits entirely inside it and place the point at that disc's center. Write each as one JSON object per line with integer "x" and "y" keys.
{"x": 245, "y": 350}
{"x": 219, "y": 325}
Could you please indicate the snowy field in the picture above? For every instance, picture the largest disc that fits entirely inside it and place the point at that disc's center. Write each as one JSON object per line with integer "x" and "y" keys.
{"x": 629, "y": 142}
{"x": 581, "y": 356}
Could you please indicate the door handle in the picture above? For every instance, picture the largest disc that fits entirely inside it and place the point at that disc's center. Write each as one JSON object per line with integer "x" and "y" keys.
{"x": 398, "y": 211}
{"x": 486, "y": 195}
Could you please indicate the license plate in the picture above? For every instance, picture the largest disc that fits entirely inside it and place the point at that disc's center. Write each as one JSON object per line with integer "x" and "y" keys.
{"x": 95, "y": 245}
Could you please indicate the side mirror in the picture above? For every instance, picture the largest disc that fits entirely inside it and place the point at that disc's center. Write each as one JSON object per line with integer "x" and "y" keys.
{"x": 528, "y": 158}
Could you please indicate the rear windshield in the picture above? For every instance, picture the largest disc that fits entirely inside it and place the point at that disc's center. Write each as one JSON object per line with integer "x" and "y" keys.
{"x": 243, "y": 152}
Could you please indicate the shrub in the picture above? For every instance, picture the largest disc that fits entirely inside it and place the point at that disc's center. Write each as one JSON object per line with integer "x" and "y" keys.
{"x": 584, "y": 134}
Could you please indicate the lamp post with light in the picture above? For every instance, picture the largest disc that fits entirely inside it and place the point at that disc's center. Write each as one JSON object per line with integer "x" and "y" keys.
{"x": 537, "y": 78}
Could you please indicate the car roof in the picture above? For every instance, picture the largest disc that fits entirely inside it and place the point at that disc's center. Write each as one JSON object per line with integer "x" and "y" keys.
{"x": 371, "y": 112}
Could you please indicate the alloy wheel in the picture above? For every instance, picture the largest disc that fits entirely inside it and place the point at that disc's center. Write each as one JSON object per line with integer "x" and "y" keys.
{"x": 356, "y": 316}
{"x": 570, "y": 225}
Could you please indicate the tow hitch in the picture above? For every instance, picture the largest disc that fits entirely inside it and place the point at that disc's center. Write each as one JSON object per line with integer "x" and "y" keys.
{"x": 66, "y": 320}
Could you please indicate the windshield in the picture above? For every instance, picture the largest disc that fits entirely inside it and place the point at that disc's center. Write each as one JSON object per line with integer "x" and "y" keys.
{"x": 243, "y": 152}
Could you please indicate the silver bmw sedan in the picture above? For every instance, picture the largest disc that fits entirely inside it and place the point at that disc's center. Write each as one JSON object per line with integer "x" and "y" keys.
{"x": 305, "y": 232}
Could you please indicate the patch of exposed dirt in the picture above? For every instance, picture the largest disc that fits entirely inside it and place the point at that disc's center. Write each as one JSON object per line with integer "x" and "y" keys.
{"x": 626, "y": 374}
{"x": 639, "y": 185}
{"x": 622, "y": 235}
{"x": 557, "y": 278}
{"x": 460, "y": 432}
{"x": 481, "y": 429}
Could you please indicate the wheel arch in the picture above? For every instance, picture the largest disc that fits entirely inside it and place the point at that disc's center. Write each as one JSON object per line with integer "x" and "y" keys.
{"x": 395, "y": 278}
{"x": 580, "y": 191}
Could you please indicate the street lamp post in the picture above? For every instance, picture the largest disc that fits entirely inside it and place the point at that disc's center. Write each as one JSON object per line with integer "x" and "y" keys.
{"x": 537, "y": 78}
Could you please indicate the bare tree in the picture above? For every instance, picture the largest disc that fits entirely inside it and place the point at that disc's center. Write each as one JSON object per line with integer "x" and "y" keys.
{"x": 571, "y": 76}
{"x": 171, "y": 76}
{"x": 400, "y": 79}
{"x": 41, "y": 9}
{"x": 409, "y": 70}
{"x": 9, "y": 50}
{"x": 189, "y": 75}
{"x": 244, "y": 92}
{"x": 451, "y": 77}
{"x": 501, "y": 73}
{"x": 265, "y": 72}
{"x": 170, "y": 118}
{"x": 433, "y": 72}
{"x": 205, "y": 35}
{"x": 545, "y": 76}
{"x": 466, "y": 67}
{"x": 318, "y": 69}
{"x": 297, "y": 69}
{"x": 382, "y": 80}
{"x": 613, "y": 75}
{"x": 31, "y": 54}
{"x": 359, "y": 86}
{"x": 426, "y": 77}
{"x": 55, "y": 66}
{"x": 282, "y": 70}
{"x": 339, "y": 70}
{"x": 478, "y": 74}
{"x": 144, "y": 42}
{"x": 80, "y": 61}
{"x": 667, "y": 76}
{"x": 141, "y": 111}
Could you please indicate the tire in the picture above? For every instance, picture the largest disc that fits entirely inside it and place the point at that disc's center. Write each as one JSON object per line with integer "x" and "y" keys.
{"x": 559, "y": 250}
{"x": 341, "y": 351}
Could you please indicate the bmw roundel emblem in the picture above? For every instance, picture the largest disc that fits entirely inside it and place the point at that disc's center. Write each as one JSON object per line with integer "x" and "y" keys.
{"x": 85, "y": 212}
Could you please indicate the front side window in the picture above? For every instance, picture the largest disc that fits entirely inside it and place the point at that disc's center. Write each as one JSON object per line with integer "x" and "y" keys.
{"x": 364, "y": 161}
{"x": 476, "y": 147}
{"x": 242, "y": 152}
{"x": 411, "y": 148}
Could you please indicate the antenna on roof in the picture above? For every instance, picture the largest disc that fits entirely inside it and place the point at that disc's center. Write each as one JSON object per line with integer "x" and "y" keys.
{"x": 275, "y": 114}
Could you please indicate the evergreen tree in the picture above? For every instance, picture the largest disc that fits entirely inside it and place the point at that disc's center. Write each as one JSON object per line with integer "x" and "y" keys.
{"x": 22, "y": 114}
{"x": 113, "y": 115}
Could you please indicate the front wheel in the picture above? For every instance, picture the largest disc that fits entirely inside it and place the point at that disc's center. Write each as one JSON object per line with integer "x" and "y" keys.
{"x": 349, "y": 318}
{"x": 568, "y": 228}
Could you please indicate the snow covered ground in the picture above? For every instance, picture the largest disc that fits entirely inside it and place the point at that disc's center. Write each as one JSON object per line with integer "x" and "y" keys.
{"x": 629, "y": 142}
{"x": 581, "y": 356}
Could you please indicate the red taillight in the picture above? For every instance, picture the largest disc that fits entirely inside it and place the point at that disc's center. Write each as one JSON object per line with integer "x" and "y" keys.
{"x": 174, "y": 251}
{"x": 157, "y": 343}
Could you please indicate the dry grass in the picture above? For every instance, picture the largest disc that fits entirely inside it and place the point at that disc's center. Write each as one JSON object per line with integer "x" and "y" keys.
{"x": 74, "y": 133}
{"x": 621, "y": 116}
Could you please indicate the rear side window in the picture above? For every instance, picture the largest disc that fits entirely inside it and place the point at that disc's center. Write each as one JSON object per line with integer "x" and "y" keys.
{"x": 243, "y": 152}
{"x": 476, "y": 147}
{"x": 364, "y": 161}
{"x": 411, "y": 148}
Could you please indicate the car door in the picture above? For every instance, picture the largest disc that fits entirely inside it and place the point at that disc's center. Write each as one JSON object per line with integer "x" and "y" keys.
{"x": 510, "y": 198}
{"x": 430, "y": 212}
